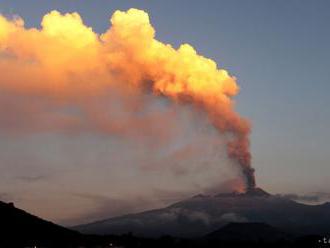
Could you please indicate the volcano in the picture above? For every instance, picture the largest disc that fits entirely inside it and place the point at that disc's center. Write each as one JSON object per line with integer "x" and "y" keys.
{"x": 203, "y": 214}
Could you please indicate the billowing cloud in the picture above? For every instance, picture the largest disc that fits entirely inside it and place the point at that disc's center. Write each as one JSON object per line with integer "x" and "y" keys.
{"x": 118, "y": 113}
{"x": 66, "y": 77}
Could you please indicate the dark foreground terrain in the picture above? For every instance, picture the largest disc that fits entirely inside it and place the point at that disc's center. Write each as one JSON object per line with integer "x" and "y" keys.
{"x": 21, "y": 229}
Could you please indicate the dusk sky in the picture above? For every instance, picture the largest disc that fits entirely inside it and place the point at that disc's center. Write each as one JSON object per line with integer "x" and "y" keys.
{"x": 279, "y": 52}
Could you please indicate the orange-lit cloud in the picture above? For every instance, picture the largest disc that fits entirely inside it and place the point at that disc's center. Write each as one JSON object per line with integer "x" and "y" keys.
{"x": 66, "y": 65}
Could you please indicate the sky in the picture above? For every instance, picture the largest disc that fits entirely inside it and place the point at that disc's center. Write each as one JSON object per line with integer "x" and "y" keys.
{"x": 278, "y": 51}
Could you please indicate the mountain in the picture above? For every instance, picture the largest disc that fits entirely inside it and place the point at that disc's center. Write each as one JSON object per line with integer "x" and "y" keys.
{"x": 21, "y": 229}
{"x": 201, "y": 214}
{"x": 248, "y": 232}
{"x": 190, "y": 217}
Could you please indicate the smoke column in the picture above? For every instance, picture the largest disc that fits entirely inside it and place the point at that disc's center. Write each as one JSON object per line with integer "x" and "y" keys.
{"x": 66, "y": 62}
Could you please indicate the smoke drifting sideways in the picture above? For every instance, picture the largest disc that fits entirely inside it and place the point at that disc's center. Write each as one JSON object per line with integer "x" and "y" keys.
{"x": 65, "y": 62}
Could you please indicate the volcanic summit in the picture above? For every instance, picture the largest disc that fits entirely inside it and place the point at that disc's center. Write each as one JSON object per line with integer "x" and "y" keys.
{"x": 202, "y": 214}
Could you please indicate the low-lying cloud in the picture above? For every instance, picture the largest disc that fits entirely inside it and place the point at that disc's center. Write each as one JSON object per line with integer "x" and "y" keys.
{"x": 311, "y": 198}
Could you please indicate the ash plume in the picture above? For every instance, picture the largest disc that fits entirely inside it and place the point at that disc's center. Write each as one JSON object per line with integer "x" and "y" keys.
{"x": 66, "y": 63}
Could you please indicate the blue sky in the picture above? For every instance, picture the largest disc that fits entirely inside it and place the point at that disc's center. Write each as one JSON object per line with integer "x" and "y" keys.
{"x": 278, "y": 50}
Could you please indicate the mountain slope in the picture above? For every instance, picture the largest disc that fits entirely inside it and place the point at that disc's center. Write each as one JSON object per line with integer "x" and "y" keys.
{"x": 201, "y": 214}
{"x": 18, "y": 228}
{"x": 248, "y": 232}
